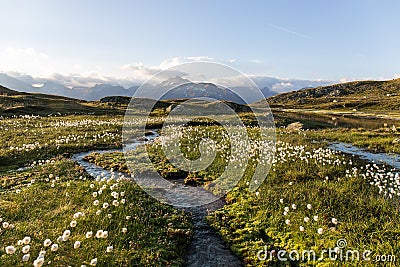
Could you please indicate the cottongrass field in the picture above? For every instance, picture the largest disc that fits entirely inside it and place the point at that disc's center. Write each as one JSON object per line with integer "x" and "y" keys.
{"x": 55, "y": 214}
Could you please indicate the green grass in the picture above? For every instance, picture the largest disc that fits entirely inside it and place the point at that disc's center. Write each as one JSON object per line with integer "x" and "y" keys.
{"x": 28, "y": 139}
{"x": 250, "y": 221}
{"x": 379, "y": 140}
{"x": 157, "y": 234}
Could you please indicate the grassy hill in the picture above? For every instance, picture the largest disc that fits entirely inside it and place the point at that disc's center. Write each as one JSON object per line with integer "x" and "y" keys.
{"x": 19, "y": 103}
{"x": 360, "y": 95}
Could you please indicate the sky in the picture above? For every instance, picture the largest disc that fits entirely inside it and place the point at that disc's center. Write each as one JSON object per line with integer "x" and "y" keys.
{"x": 328, "y": 40}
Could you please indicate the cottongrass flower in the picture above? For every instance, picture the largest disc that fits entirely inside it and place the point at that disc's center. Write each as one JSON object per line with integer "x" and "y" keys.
{"x": 320, "y": 231}
{"x": 77, "y": 244}
{"x": 26, "y": 257}
{"x": 38, "y": 262}
{"x": 89, "y": 234}
{"x": 104, "y": 234}
{"x": 47, "y": 242}
{"x": 78, "y": 214}
{"x": 10, "y": 249}
{"x": 287, "y": 209}
{"x": 54, "y": 247}
{"x": 109, "y": 248}
{"x": 67, "y": 233}
{"x": 25, "y": 249}
{"x": 99, "y": 233}
{"x": 93, "y": 262}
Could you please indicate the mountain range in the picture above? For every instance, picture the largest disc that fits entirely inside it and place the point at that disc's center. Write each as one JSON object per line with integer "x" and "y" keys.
{"x": 268, "y": 86}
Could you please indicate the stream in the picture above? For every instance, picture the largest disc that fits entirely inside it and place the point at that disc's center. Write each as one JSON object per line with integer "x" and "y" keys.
{"x": 207, "y": 248}
{"x": 391, "y": 159}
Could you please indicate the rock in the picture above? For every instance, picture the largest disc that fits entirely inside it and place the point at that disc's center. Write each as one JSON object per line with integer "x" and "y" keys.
{"x": 294, "y": 127}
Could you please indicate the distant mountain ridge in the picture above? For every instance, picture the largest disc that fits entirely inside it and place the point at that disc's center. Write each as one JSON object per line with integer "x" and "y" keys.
{"x": 24, "y": 83}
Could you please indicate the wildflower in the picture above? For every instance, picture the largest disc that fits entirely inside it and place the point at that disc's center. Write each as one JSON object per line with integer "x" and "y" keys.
{"x": 99, "y": 233}
{"x": 306, "y": 219}
{"x": 334, "y": 221}
{"x": 320, "y": 231}
{"x": 287, "y": 222}
{"x": 6, "y": 225}
{"x": 294, "y": 206}
{"x": 73, "y": 224}
{"x": 104, "y": 234}
{"x": 54, "y": 247}
{"x": 301, "y": 228}
{"x": 109, "y": 248}
{"x": 77, "y": 244}
{"x": 10, "y": 249}
{"x": 124, "y": 230}
{"x": 287, "y": 209}
{"x": 38, "y": 262}
{"x": 89, "y": 234}
{"x": 105, "y": 205}
{"x": 309, "y": 206}
{"x": 26, "y": 240}
{"x": 96, "y": 202}
{"x": 26, "y": 257}
{"x": 25, "y": 249}
{"x": 316, "y": 218}
{"x": 93, "y": 262}
{"x": 47, "y": 243}
{"x": 98, "y": 212}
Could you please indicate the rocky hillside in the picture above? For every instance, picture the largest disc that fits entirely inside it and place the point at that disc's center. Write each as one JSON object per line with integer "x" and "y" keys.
{"x": 373, "y": 95}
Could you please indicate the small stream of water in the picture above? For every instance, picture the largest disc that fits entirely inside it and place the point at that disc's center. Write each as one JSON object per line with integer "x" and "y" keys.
{"x": 380, "y": 158}
{"x": 207, "y": 248}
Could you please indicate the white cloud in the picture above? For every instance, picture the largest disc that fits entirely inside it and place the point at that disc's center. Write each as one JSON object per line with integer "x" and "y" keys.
{"x": 257, "y": 61}
{"x": 283, "y": 87}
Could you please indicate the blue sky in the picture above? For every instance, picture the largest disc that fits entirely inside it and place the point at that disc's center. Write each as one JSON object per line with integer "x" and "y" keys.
{"x": 289, "y": 39}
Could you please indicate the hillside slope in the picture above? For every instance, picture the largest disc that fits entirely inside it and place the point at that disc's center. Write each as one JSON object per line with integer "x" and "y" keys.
{"x": 360, "y": 95}
{"x": 19, "y": 103}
